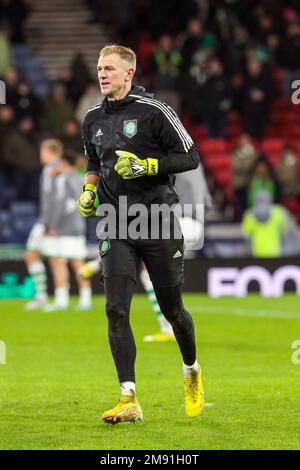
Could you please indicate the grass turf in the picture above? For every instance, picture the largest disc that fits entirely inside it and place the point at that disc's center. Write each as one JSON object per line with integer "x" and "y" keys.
{"x": 60, "y": 377}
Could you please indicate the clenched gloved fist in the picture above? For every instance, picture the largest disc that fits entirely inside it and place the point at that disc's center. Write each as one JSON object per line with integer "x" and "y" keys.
{"x": 130, "y": 166}
{"x": 88, "y": 202}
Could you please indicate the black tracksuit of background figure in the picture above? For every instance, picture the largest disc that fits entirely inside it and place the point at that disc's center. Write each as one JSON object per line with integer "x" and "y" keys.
{"x": 147, "y": 128}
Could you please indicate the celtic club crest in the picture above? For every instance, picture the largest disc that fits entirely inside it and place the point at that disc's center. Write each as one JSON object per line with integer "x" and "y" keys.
{"x": 130, "y": 128}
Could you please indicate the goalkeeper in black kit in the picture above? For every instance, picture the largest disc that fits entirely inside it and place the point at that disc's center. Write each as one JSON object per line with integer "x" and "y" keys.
{"x": 134, "y": 145}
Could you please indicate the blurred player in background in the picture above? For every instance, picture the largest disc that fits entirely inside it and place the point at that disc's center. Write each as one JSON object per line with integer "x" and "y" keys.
{"x": 51, "y": 152}
{"x": 192, "y": 190}
{"x": 65, "y": 240}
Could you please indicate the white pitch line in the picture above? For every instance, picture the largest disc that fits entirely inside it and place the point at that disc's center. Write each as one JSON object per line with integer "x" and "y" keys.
{"x": 206, "y": 405}
{"x": 248, "y": 312}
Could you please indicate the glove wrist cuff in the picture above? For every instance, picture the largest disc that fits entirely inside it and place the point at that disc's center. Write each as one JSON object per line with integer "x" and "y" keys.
{"x": 152, "y": 166}
{"x": 90, "y": 187}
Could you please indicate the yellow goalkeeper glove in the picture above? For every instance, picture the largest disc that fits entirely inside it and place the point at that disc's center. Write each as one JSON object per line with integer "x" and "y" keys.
{"x": 88, "y": 202}
{"x": 130, "y": 166}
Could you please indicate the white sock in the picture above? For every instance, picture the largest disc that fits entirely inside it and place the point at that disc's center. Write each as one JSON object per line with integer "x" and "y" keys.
{"x": 38, "y": 273}
{"x": 61, "y": 295}
{"x": 145, "y": 280}
{"x": 85, "y": 296}
{"x": 128, "y": 388}
{"x": 189, "y": 371}
{"x": 165, "y": 326}
{"x": 95, "y": 265}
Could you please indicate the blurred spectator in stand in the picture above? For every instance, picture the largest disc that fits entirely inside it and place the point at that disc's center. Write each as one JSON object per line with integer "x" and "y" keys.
{"x": 65, "y": 79}
{"x": 80, "y": 163}
{"x": 21, "y": 155}
{"x": 72, "y": 138}
{"x": 117, "y": 20}
{"x": 144, "y": 51}
{"x": 265, "y": 225}
{"x": 272, "y": 43}
{"x": 26, "y": 102}
{"x": 262, "y": 177}
{"x": 221, "y": 19}
{"x": 57, "y": 110}
{"x": 11, "y": 81}
{"x": 80, "y": 74}
{"x": 20, "y": 96}
{"x": 7, "y": 125}
{"x": 218, "y": 99}
{"x": 195, "y": 41}
{"x": 6, "y": 55}
{"x": 233, "y": 51}
{"x": 255, "y": 96}
{"x": 195, "y": 83}
{"x": 98, "y": 11}
{"x": 242, "y": 160}
{"x": 14, "y": 14}
{"x": 164, "y": 68}
{"x": 75, "y": 78}
{"x": 89, "y": 99}
{"x": 7, "y": 122}
{"x": 288, "y": 173}
{"x": 288, "y": 56}
{"x": 266, "y": 26}
{"x": 266, "y": 53}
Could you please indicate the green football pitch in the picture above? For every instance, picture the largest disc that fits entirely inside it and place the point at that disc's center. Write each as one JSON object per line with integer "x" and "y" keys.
{"x": 59, "y": 377}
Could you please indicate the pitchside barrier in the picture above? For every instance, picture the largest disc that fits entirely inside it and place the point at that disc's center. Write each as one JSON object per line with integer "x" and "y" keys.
{"x": 215, "y": 277}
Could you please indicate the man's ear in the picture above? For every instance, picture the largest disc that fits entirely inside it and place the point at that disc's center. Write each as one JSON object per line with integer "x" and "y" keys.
{"x": 130, "y": 74}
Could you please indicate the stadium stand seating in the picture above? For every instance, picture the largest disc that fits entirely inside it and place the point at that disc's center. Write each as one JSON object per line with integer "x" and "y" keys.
{"x": 58, "y": 22}
{"x": 31, "y": 69}
{"x": 283, "y": 128}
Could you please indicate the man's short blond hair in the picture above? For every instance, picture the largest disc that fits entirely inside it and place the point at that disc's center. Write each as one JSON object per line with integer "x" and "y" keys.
{"x": 54, "y": 145}
{"x": 125, "y": 53}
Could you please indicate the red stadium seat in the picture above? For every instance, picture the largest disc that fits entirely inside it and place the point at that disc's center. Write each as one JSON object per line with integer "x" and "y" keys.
{"x": 272, "y": 132}
{"x": 278, "y": 104}
{"x": 296, "y": 145}
{"x": 275, "y": 117}
{"x": 235, "y": 130}
{"x": 274, "y": 158}
{"x": 289, "y": 118}
{"x": 233, "y": 118}
{"x": 213, "y": 146}
{"x": 223, "y": 177}
{"x": 229, "y": 194}
{"x": 294, "y": 131}
{"x": 293, "y": 205}
{"x": 277, "y": 74}
{"x": 198, "y": 132}
{"x": 272, "y": 145}
{"x": 217, "y": 162}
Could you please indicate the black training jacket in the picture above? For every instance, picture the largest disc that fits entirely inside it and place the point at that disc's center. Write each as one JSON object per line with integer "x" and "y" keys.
{"x": 146, "y": 127}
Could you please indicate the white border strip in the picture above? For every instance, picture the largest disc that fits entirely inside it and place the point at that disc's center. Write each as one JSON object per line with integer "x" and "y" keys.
{"x": 246, "y": 312}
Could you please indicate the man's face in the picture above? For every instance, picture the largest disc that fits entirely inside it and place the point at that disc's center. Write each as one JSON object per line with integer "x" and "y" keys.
{"x": 113, "y": 74}
{"x": 26, "y": 125}
{"x": 216, "y": 67}
{"x": 254, "y": 67}
{"x": 6, "y": 113}
{"x": 47, "y": 155}
{"x": 71, "y": 128}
